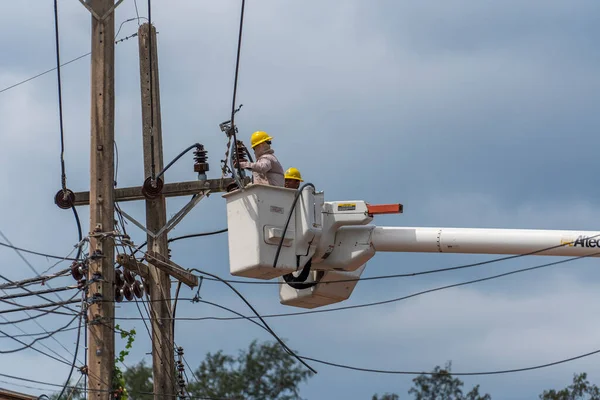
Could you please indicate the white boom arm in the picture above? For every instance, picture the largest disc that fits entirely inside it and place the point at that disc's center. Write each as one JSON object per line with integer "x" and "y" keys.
{"x": 487, "y": 241}
{"x": 330, "y": 242}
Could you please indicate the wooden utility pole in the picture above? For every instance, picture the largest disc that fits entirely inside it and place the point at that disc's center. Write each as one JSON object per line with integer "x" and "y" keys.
{"x": 101, "y": 349}
{"x": 163, "y": 347}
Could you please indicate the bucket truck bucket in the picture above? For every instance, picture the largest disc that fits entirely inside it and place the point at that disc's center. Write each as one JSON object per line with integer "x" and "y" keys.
{"x": 256, "y": 217}
{"x": 333, "y": 287}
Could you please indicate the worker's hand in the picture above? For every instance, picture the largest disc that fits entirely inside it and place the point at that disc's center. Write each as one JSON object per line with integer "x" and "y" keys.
{"x": 244, "y": 165}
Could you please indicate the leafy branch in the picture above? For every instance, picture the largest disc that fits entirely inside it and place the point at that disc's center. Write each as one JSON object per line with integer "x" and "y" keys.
{"x": 120, "y": 393}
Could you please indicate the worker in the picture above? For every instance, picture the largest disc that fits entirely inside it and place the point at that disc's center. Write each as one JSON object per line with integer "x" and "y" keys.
{"x": 266, "y": 170}
{"x": 292, "y": 178}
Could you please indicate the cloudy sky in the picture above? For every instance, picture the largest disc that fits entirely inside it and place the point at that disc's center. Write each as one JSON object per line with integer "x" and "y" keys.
{"x": 470, "y": 113}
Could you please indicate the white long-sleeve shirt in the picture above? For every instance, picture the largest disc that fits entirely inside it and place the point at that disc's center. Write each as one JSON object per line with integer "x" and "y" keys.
{"x": 266, "y": 170}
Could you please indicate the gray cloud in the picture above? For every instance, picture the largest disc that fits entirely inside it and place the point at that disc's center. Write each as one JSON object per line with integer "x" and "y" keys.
{"x": 475, "y": 114}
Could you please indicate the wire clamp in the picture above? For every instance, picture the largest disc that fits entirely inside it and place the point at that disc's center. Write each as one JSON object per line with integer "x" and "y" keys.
{"x": 197, "y": 297}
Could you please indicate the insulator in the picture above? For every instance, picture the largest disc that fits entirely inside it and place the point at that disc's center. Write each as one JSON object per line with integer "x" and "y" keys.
{"x": 81, "y": 283}
{"x": 64, "y": 199}
{"x": 119, "y": 279}
{"x": 152, "y": 189}
{"x": 77, "y": 271}
{"x": 128, "y": 276}
{"x": 127, "y": 292}
{"x": 241, "y": 151}
{"x": 200, "y": 160}
{"x": 169, "y": 252}
{"x": 138, "y": 289}
{"x": 126, "y": 240}
{"x": 118, "y": 294}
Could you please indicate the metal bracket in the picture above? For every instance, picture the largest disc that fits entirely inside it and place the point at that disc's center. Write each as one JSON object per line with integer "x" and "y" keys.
{"x": 95, "y": 14}
{"x": 182, "y": 213}
{"x": 173, "y": 221}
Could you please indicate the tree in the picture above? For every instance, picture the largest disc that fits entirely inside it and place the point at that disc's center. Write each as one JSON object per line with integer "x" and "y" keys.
{"x": 580, "y": 389}
{"x": 264, "y": 371}
{"x": 439, "y": 386}
{"x": 386, "y": 396}
{"x": 138, "y": 381}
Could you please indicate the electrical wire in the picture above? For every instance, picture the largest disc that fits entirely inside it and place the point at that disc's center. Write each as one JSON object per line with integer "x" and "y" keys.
{"x": 41, "y": 333}
{"x": 49, "y": 70}
{"x": 36, "y": 253}
{"x": 45, "y": 291}
{"x": 43, "y": 73}
{"x": 75, "y": 355}
{"x": 175, "y": 305}
{"x": 28, "y": 345}
{"x": 235, "y": 82}
{"x": 33, "y": 269}
{"x": 60, "y": 109}
{"x": 32, "y": 281}
{"x": 183, "y": 237}
{"x": 383, "y": 301}
{"x": 195, "y": 145}
{"x": 497, "y": 372}
{"x": 241, "y": 296}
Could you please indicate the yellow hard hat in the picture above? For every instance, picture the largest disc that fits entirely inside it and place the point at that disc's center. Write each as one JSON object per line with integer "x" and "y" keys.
{"x": 293, "y": 173}
{"x": 259, "y": 137}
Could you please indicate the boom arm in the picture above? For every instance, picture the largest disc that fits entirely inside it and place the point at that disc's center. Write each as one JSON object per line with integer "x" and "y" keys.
{"x": 487, "y": 241}
{"x": 276, "y": 232}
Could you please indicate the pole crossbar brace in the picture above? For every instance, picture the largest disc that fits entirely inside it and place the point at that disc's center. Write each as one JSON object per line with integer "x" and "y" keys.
{"x": 173, "y": 221}
{"x": 86, "y": 4}
{"x": 171, "y": 268}
{"x": 176, "y": 189}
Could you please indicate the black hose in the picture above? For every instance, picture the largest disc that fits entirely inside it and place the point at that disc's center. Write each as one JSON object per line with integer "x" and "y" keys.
{"x": 195, "y": 145}
{"x": 290, "y": 279}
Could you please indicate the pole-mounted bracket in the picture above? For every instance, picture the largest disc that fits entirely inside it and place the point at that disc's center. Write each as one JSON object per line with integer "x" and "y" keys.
{"x": 86, "y": 4}
{"x": 174, "y": 220}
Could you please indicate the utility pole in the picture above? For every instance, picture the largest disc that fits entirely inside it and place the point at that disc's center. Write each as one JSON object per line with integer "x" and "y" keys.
{"x": 163, "y": 347}
{"x": 101, "y": 311}
{"x": 102, "y": 197}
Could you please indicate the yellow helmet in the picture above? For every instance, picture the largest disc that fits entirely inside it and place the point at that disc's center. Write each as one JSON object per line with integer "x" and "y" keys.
{"x": 293, "y": 173}
{"x": 259, "y": 137}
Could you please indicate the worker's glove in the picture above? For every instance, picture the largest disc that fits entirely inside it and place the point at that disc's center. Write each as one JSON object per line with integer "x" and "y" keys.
{"x": 244, "y": 165}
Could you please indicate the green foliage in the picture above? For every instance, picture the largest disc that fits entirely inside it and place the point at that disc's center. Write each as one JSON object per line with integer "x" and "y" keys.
{"x": 441, "y": 386}
{"x": 580, "y": 389}
{"x": 264, "y": 371}
{"x": 438, "y": 386}
{"x": 118, "y": 383}
{"x": 386, "y": 396}
{"x": 138, "y": 382}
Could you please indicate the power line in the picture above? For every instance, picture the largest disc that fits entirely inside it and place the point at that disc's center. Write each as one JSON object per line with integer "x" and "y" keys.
{"x": 43, "y": 73}
{"x": 380, "y": 371}
{"x": 49, "y": 70}
{"x": 235, "y": 82}
{"x": 10, "y": 246}
{"x": 241, "y": 296}
{"x": 60, "y": 109}
{"x": 29, "y": 345}
{"x": 394, "y": 300}
{"x": 371, "y": 278}
{"x": 76, "y": 350}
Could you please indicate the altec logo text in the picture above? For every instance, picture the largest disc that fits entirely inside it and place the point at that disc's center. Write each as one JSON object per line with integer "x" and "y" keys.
{"x": 585, "y": 241}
